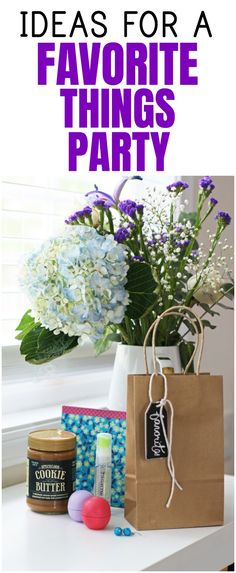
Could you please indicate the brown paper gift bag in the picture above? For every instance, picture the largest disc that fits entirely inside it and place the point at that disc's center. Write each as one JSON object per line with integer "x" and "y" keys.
{"x": 194, "y": 444}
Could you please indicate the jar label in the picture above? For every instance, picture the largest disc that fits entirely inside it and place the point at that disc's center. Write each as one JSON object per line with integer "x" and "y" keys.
{"x": 50, "y": 481}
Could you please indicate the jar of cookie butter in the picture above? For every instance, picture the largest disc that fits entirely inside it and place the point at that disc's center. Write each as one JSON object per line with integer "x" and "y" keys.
{"x": 51, "y": 467}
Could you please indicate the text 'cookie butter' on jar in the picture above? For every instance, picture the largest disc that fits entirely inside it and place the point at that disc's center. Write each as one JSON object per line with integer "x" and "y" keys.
{"x": 51, "y": 468}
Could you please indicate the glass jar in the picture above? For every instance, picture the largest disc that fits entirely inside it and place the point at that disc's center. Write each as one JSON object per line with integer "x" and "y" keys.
{"x": 51, "y": 466}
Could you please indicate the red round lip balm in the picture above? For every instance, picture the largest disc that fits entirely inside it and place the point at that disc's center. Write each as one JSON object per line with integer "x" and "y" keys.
{"x": 96, "y": 513}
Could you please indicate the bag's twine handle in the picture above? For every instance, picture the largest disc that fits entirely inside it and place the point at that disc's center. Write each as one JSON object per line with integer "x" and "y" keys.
{"x": 176, "y": 310}
{"x": 168, "y": 439}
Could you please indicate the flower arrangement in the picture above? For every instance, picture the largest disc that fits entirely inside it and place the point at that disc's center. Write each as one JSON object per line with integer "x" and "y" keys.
{"x": 119, "y": 264}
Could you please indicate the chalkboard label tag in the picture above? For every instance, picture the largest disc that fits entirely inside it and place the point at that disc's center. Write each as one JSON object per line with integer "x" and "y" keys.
{"x": 155, "y": 443}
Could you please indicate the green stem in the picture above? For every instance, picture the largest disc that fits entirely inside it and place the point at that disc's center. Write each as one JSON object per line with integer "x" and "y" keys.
{"x": 144, "y": 324}
{"x": 137, "y": 332}
{"x": 101, "y": 219}
{"x": 142, "y": 243}
{"x": 129, "y": 329}
{"x": 207, "y": 214}
{"x": 171, "y": 214}
{"x": 110, "y": 220}
{"x": 124, "y": 334}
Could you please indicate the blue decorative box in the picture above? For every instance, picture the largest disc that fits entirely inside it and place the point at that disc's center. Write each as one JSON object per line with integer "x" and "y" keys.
{"x": 86, "y": 423}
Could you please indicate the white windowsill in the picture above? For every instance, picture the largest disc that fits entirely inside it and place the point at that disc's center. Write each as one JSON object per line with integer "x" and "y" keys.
{"x": 19, "y": 420}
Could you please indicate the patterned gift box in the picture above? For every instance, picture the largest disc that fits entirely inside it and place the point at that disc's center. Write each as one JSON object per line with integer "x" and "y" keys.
{"x": 86, "y": 423}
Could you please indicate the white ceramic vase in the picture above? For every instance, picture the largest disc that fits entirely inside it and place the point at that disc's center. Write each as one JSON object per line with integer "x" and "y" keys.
{"x": 130, "y": 360}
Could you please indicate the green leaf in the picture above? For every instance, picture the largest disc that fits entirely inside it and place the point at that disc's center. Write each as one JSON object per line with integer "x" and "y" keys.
{"x": 140, "y": 303}
{"x": 41, "y": 345}
{"x": 134, "y": 246}
{"x": 115, "y": 337}
{"x": 206, "y": 323}
{"x": 207, "y": 308}
{"x": 103, "y": 343}
{"x": 140, "y": 286}
{"x": 26, "y": 319}
{"x": 189, "y": 326}
{"x": 228, "y": 290}
{"x": 191, "y": 216}
{"x": 186, "y": 350}
{"x": 195, "y": 245}
{"x": 26, "y": 324}
{"x": 29, "y": 342}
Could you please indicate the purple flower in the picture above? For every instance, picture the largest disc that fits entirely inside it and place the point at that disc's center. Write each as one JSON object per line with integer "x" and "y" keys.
{"x": 182, "y": 243}
{"x": 79, "y": 213}
{"x": 152, "y": 242}
{"x": 96, "y": 196}
{"x": 194, "y": 253}
{"x": 138, "y": 258}
{"x": 223, "y": 218}
{"x": 128, "y": 207}
{"x": 99, "y": 203}
{"x": 131, "y": 225}
{"x": 213, "y": 201}
{"x": 110, "y": 200}
{"x": 163, "y": 238}
{"x": 117, "y": 191}
{"x": 207, "y": 184}
{"x": 84, "y": 212}
{"x": 87, "y": 210}
{"x": 140, "y": 208}
{"x": 177, "y": 186}
{"x": 178, "y": 229}
{"x": 121, "y": 235}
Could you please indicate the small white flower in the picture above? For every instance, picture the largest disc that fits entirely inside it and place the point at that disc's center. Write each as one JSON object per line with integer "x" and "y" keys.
{"x": 208, "y": 289}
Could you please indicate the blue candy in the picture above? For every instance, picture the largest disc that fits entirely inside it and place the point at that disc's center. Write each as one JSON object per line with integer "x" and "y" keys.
{"x": 127, "y": 531}
{"x": 118, "y": 531}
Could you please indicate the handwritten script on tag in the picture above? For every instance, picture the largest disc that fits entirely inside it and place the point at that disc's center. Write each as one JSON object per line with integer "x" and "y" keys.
{"x": 155, "y": 443}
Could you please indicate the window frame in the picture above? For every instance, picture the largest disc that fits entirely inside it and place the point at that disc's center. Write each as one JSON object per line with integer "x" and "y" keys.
{"x": 84, "y": 387}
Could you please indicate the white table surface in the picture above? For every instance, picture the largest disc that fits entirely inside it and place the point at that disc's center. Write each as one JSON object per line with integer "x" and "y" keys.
{"x": 35, "y": 542}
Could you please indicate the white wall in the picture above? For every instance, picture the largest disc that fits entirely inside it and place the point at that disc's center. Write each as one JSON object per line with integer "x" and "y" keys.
{"x": 218, "y": 355}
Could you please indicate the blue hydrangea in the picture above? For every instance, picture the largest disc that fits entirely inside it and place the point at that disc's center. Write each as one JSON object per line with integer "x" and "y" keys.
{"x": 76, "y": 282}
